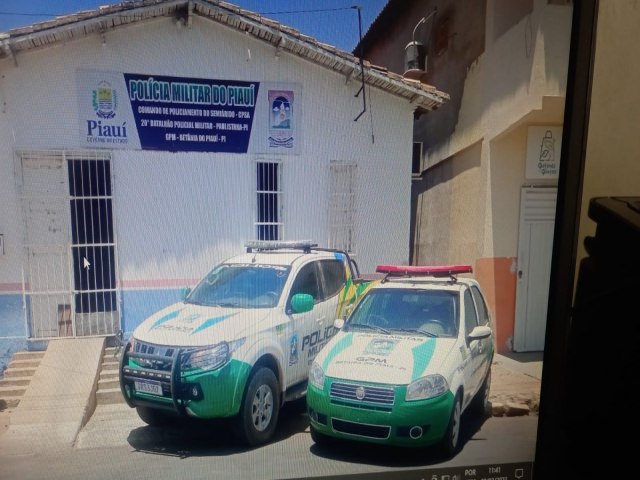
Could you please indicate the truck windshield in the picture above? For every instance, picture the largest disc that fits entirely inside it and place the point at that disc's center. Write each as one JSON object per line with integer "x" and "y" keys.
{"x": 241, "y": 286}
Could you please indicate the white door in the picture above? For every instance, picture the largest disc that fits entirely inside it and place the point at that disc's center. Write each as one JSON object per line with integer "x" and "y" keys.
{"x": 48, "y": 276}
{"x": 535, "y": 245}
{"x": 70, "y": 274}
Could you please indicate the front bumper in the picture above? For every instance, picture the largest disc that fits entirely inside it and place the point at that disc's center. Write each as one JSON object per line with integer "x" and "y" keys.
{"x": 411, "y": 424}
{"x": 210, "y": 394}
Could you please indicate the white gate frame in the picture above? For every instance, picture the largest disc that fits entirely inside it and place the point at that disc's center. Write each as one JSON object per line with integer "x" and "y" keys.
{"x": 28, "y": 294}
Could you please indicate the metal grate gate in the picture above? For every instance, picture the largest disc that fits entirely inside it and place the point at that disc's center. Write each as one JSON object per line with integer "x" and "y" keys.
{"x": 342, "y": 206}
{"x": 70, "y": 274}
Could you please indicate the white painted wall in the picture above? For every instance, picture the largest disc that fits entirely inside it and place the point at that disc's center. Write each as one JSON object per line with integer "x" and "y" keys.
{"x": 11, "y": 224}
{"x": 178, "y": 213}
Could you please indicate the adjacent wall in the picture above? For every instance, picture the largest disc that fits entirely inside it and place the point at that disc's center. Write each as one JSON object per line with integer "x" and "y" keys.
{"x": 468, "y": 199}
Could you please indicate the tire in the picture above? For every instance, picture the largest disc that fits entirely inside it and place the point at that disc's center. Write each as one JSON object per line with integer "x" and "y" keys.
{"x": 256, "y": 422}
{"x": 480, "y": 403}
{"x": 451, "y": 441}
{"x": 318, "y": 438}
{"x": 155, "y": 417}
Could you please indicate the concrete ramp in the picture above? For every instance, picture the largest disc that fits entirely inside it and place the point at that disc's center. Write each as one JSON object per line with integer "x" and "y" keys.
{"x": 59, "y": 399}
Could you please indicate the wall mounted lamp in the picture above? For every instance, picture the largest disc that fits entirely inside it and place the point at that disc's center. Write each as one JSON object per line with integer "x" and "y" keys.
{"x": 415, "y": 53}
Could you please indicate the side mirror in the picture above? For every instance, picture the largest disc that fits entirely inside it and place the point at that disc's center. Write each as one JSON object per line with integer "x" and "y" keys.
{"x": 338, "y": 323}
{"x": 480, "y": 332}
{"x": 302, "y": 303}
{"x": 184, "y": 293}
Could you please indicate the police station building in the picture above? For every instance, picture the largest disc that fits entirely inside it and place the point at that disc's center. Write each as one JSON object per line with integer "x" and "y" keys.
{"x": 142, "y": 143}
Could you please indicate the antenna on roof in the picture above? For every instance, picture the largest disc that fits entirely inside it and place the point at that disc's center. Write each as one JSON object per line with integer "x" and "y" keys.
{"x": 362, "y": 89}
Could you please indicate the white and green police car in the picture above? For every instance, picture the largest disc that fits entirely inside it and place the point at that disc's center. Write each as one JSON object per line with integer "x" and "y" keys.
{"x": 413, "y": 355}
{"x": 241, "y": 343}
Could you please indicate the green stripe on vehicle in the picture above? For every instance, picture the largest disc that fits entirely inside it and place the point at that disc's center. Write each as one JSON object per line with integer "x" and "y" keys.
{"x": 421, "y": 357}
{"x": 339, "y": 347}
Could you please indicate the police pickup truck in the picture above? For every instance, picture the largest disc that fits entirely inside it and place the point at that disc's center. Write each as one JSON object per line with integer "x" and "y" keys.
{"x": 241, "y": 342}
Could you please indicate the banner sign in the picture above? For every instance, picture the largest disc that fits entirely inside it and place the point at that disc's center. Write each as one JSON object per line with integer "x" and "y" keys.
{"x": 166, "y": 113}
{"x": 543, "y": 152}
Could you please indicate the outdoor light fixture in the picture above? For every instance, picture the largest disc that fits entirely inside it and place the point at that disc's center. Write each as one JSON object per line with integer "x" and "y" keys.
{"x": 416, "y": 53}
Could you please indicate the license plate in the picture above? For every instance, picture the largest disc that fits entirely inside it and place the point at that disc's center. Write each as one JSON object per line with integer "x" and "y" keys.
{"x": 148, "y": 386}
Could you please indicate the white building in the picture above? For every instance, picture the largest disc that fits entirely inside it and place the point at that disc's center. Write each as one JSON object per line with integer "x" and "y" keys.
{"x": 142, "y": 143}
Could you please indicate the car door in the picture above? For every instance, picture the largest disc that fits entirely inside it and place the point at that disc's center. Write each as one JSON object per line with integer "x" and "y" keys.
{"x": 483, "y": 319}
{"x": 474, "y": 348}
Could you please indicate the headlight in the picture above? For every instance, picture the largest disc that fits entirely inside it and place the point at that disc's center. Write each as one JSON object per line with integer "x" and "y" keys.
{"x": 210, "y": 358}
{"x": 427, "y": 387}
{"x": 316, "y": 376}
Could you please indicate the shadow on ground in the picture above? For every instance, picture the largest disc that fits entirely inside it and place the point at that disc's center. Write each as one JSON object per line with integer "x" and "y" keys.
{"x": 191, "y": 438}
{"x": 196, "y": 438}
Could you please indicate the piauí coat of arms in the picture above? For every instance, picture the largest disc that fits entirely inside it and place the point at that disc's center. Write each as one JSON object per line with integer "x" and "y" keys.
{"x": 105, "y": 100}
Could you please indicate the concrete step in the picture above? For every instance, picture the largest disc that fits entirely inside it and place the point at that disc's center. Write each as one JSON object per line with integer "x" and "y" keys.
{"x": 109, "y": 396}
{"x": 110, "y": 365}
{"x": 28, "y": 355}
{"x": 9, "y": 402}
{"x": 110, "y": 352}
{"x": 24, "y": 363}
{"x": 19, "y": 372}
{"x": 105, "y": 374}
{"x": 108, "y": 383}
{"x": 12, "y": 391}
{"x": 15, "y": 381}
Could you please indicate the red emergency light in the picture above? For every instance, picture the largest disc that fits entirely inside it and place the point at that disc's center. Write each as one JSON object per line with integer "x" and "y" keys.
{"x": 438, "y": 270}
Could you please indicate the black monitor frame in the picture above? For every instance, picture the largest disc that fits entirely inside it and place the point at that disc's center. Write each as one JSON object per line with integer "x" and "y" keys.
{"x": 554, "y": 440}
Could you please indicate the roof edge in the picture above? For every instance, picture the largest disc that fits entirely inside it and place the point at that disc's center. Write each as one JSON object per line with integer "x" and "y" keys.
{"x": 281, "y": 37}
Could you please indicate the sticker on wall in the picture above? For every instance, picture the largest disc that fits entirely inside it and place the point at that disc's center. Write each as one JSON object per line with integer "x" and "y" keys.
{"x": 281, "y": 118}
{"x": 543, "y": 153}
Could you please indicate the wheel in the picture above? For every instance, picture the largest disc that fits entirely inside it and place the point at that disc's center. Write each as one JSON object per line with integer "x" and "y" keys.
{"x": 256, "y": 422}
{"x": 154, "y": 416}
{"x": 318, "y": 438}
{"x": 480, "y": 402}
{"x": 451, "y": 441}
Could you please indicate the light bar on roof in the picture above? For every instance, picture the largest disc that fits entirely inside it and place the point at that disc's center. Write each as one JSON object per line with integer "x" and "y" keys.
{"x": 279, "y": 244}
{"x": 437, "y": 270}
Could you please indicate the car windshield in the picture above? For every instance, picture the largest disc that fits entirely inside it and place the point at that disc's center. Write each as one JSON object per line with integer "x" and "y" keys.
{"x": 241, "y": 286}
{"x": 429, "y": 312}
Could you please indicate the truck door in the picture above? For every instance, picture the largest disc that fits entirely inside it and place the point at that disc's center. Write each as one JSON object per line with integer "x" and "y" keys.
{"x": 306, "y": 327}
